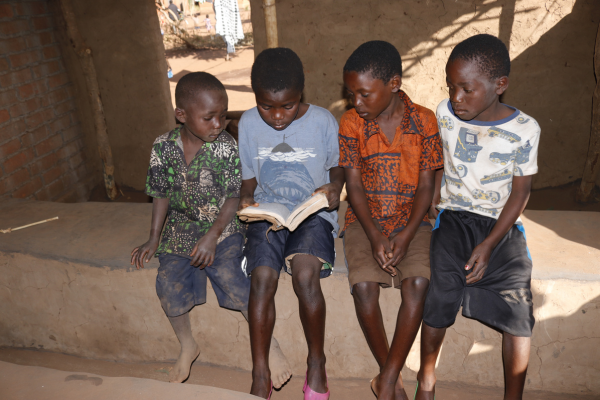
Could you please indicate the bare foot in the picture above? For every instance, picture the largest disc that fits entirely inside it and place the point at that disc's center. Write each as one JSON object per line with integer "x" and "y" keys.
{"x": 398, "y": 394}
{"x": 374, "y": 385}
{"x": 425, "y": 388}
{"x": 261, "y": 384}
{"x": 181, "y": 371}
{"x": 281, "y": 372}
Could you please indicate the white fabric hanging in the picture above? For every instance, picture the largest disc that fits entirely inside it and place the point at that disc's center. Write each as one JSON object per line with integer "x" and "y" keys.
{"x": 229, "y": 22}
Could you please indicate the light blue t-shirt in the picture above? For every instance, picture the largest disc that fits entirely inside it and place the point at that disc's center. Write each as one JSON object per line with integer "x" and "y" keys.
{"x": 290, "y": 164}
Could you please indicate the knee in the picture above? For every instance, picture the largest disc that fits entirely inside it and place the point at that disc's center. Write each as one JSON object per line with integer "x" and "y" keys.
{"x": 365, "y": 292}
{"x": 304, "y": 280}
{"x": 415, "y": 288}
{"x": 264, "y": 281}
{"x": 305, "y": 274}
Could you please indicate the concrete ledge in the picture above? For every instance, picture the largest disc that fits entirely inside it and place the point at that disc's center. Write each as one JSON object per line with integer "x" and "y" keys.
{"x": 67, "y": 286}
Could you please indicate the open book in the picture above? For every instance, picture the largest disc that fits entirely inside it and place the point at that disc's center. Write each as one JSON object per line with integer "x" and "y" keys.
{"x": 280, "y": 216}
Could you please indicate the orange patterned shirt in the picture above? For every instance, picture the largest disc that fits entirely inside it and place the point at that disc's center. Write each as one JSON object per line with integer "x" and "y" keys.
{"x": 390, "y": 172}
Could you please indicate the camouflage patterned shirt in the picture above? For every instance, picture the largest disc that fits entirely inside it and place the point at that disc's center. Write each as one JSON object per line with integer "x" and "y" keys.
{"x": 196, "y": 192}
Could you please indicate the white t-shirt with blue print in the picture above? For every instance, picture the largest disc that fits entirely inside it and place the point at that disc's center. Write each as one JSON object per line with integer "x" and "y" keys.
{"x": 481, "y": 158}
{"x": 290, "y": 164}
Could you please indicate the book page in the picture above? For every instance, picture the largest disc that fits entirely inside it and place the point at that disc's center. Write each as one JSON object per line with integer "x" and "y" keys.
{"x": 276, "y": 211}
{"x": 303, "y": 210}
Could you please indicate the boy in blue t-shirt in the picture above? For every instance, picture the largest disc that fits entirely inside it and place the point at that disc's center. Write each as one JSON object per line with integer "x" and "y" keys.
{"x": 289, "y": 150}
{"x": 479, "y": 256}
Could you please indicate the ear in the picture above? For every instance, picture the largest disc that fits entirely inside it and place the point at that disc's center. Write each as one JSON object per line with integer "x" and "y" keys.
{"x": 501, "y": 85}
{"x": 180, "y": 115}
{"x": 395, "y": 83}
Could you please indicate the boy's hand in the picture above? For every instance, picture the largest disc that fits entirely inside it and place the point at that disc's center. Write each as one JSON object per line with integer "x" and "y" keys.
{"x": 332, "y": 191}
{"x": 399, "y": 243}
{"x": 433, "y": 212}
{"x": 382, "y": 252}
{"x": 247, "y": 201}
{"x": 203, "y": 253}
{"x": 145, "y": 251}
{"x": 478, "y": 262}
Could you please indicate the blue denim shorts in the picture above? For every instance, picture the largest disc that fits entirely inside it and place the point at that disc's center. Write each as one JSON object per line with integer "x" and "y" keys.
{"x": 314, "y": 236}
{"x": 180, "y": 286}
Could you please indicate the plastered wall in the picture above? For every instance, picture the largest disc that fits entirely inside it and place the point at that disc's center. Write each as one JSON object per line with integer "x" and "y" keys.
{"x": 551, "y": 43}
{"x": 126, "y": 44}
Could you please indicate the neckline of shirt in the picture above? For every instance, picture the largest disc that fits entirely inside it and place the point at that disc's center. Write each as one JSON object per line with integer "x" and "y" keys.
{"x": 512, "y": 116}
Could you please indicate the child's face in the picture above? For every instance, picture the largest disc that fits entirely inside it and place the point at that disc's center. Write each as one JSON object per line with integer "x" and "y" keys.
{"x": 204, "y": 117}
{"x": 370, "y": 96}
{"x": 278, "y": 109}
{"x": 472, "y": 94}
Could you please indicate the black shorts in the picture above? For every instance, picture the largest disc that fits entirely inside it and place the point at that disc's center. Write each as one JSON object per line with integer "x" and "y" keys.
{"x": 502, "y": 298}
{"x": 314, "y": 236}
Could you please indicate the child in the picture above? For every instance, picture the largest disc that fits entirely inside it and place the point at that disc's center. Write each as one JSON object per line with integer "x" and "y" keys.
{"x": 390, "y": 149}
{"x": 289, "y": 151}
{"x": 479, "y": 256}
{"x": 208, "y": 24}
{"x": 195, "y": 181}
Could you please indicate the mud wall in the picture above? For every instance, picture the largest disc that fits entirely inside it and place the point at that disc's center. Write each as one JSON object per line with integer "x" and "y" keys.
{"x": 126, "y": 44}
{"x": 551, "y": 43}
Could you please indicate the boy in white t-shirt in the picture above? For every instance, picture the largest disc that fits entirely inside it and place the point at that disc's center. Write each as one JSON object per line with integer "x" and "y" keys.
{"x": 479, "y": 255}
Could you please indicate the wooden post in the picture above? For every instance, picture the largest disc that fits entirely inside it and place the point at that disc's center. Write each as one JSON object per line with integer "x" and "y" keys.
{"x": 87, "y": 65}
{"x": 271, "y": 23}
{"x": 592, "y": 164}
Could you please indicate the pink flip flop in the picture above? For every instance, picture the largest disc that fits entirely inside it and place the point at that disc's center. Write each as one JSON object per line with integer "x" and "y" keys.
{"x": 310, "y": 394}
{"x": 270, "y": 391}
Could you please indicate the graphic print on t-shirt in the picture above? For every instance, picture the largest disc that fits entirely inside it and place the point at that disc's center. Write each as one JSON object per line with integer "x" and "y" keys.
{"x": 482, "y": 158}
{"x": 466, "y": 145}
{"x": 285, "y": 174}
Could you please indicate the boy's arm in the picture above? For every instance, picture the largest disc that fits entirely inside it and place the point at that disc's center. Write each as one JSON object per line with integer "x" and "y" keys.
{"x": 433, "y": 211}
{"x": 521, "y": 188}
{"x": 160, "y": 206}
{"x": 380, "y": 244}
{"x": 247, "y": 193}
{"x": 423, "y": 195}
{"x": 203, "y": 253}
{"x": 333, "y": 189}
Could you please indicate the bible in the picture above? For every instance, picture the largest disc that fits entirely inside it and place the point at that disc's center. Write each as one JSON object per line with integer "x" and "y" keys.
{"x": 280, "y": 216}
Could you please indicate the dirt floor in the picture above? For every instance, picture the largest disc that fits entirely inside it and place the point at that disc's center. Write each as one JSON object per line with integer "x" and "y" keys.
{"x": 238, "y": 380}
{"x": 234, "y": 74}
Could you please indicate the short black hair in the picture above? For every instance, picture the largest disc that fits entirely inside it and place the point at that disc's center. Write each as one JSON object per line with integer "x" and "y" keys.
{"x": 189, "y": 85}
{"x": 378, "y": 57}
{"x": 488, "y": 51}
{"x": 277, "y": 69}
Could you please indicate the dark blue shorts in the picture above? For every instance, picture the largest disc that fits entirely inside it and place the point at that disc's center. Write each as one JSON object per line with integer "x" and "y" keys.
{"x": 502, "y": 298}
{"x": 180, "y": 286}
{"x": 313, "y": 236}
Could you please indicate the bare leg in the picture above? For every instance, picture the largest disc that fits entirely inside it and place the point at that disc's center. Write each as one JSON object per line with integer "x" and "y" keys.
{"x": 189, "y": 348}
{"x": 515, "y": 354}
{"x": 368, "y": 312}
{"x": 307, "y": 286}
{"x": 261, "y": 312}
{"x": 409, "y": 320}
{"x": 282, "y": 371}
{"x": 431, "y": 343}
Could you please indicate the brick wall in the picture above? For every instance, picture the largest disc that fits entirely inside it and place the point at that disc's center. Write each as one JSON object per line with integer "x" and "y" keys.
{"x": 41, "y": 139}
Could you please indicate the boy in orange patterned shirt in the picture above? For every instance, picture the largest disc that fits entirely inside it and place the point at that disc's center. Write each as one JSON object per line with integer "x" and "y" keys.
{"x": 389, "y": 149}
